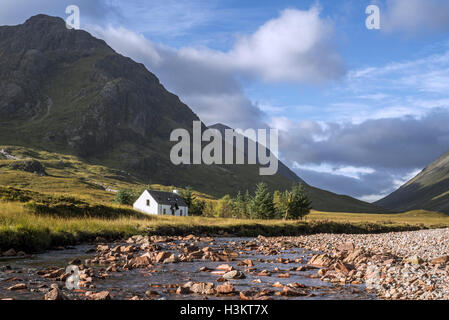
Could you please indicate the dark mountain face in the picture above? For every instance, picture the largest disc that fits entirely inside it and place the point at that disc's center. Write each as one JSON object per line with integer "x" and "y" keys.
{"x": 429, "y": 190}
{"x": 80, "y": 90}
{"x": 65, "y": 91}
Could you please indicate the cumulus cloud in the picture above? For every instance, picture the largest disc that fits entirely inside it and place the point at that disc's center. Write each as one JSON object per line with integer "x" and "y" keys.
{"x": 295, "y": 47}
{"x": 416, "y": 16}
{"x": 291, "y": 48}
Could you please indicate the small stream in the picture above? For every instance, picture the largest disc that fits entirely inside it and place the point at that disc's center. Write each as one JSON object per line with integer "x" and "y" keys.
{"x": 135, "y": 282}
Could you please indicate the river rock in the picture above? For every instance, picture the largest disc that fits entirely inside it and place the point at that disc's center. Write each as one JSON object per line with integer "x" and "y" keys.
{"x": 234, "y": 274}
{"x": 103, "y": 295}
{"x": 55, "y": 294}
{"x": 321, "y": 260}
{"x": 225, "y": 288}
{"x": 440, "y": 260}
{"x": 10, "y": 253}
{"x": 19, "y": 286}
{"x": 171, "y": 259}
{"x": 161, "y": 256}
{"x": 203, "y": 288}
{"x": 414, "y": 260}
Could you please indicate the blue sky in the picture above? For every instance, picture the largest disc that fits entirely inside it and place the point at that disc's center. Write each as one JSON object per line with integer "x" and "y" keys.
{"x": 359, "y": 111}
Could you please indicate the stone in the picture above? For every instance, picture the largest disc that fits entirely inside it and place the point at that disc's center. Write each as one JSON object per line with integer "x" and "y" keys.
{"x": 414, "y": 260}
{"x": 203, "y": 288}
{"x": 225, "y": 267}
{"x": 264, "y": 273}
{"x": 171, "y": 259}
{"x": 183, "y": 290}
{"x": 341, "y": 267}
{"x": 284, "y": 275}
{"x": 440, "y": 260}
{"x": 141, "y": 261}
{"x": 348, "y": 246}
{"x": 103, "y": 295}
{"x": 161, "y": 256}
{"x": 290, "y": 292}
{"x": 10, "y": 253}
{"x": 248, "y": 262}
{"x": 234, "y": 274}
{"x": 225, "y": 288}
{"x": 102, "y": 248}
{"x": 321, "y": 260}
{"x": 151, "y": 293}
{"x": 353, "y": 256}
{"x": 19, "y": 286}
{"x": 55, "y": 294}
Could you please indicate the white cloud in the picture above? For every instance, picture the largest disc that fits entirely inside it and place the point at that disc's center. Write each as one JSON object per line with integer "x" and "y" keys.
{"x": 346, "y": 171}
{"x": 290, "y": 48}
{"x": 293, "y": 47}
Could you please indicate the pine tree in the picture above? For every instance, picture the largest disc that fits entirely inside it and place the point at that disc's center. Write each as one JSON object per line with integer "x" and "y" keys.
{"x": 239, "y": 206}
{"x": 296, "y": 203}
{"x": 262, "y": 204}
{"x": 279, "y": 204}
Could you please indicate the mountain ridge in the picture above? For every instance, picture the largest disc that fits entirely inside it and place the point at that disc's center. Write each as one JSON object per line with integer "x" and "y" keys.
{"x": 429, "y": 190}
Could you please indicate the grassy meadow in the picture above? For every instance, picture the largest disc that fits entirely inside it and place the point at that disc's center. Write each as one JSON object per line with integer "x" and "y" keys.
{"x": 21, "y": 228}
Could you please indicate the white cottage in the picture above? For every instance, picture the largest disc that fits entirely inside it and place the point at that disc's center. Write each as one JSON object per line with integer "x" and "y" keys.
{"x": 163, "y": 203}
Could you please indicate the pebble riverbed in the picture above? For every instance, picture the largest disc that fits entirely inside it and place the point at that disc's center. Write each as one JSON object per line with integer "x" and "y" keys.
{"x": 406, "y": 265}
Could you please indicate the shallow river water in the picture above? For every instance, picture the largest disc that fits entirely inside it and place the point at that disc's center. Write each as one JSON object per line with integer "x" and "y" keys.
{"x": 135, "y": 282}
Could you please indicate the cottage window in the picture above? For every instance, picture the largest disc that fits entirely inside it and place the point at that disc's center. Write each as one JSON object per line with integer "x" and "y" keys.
{"x": 164, "y": 211}
{"x": 148, "y": 202}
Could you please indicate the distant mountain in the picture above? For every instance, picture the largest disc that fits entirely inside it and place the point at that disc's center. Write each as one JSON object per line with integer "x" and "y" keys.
{"x": 67, "y": 92}
{"x": 429, "y": 190}
{"x": 322, "y": 200}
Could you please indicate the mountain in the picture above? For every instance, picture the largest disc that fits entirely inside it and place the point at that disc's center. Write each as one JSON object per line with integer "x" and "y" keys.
{"x": 429, "y": 190}
{"x": 66, "y": 92}
{"x": 321, "y": 199}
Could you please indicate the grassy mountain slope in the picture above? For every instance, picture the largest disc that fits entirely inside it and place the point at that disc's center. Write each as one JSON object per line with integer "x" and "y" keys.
{"x": 429, "y": 190}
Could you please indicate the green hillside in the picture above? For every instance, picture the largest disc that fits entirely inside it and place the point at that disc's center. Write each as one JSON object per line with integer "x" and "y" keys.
{"x": 429, "y": 190}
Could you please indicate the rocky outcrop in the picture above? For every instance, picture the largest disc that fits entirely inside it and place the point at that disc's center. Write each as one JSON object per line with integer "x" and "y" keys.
{"x": 32, "y": 166}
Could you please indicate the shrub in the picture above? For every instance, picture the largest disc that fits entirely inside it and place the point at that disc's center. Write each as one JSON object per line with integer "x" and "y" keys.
{"x": 125, "y": 196}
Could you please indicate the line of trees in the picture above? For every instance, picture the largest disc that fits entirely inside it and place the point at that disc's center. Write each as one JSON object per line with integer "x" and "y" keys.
{"x": 289, "y": 205}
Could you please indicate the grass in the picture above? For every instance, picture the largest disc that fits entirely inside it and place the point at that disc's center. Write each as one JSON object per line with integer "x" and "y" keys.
{"x": 21, "y": 228}
{"x": 421, "y": 218}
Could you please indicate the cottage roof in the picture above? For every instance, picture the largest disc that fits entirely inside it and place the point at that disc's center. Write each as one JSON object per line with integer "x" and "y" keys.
{"x": 167, "y": 198}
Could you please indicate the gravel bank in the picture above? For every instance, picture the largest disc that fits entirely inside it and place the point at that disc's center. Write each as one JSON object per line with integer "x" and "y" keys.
{"x": 400, "y": 265}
